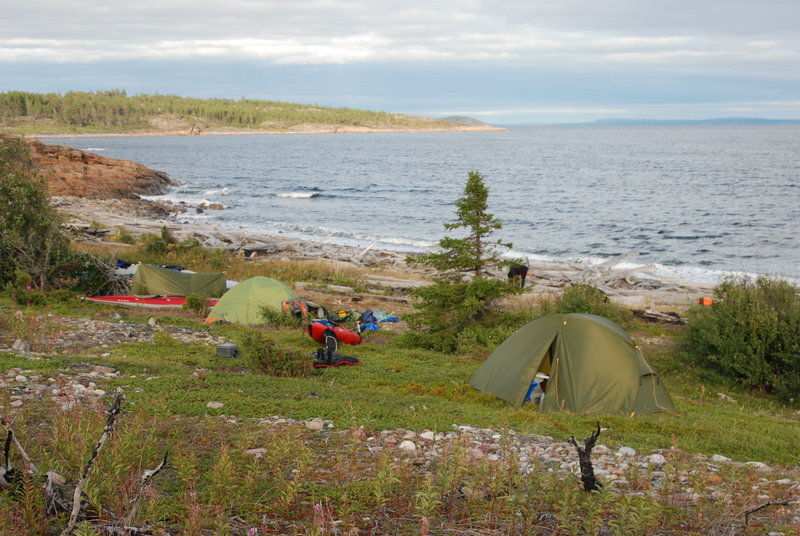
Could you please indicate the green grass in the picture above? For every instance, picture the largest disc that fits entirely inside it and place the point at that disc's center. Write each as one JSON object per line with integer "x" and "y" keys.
{"x": 213, "y": 485}
{"x": 399, "y": 387}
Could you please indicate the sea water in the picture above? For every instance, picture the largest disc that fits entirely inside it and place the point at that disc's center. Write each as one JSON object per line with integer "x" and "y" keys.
{"x": 694, "y": 202}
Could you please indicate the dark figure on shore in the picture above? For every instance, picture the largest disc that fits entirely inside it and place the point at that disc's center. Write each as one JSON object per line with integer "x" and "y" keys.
{"x": 517, "y": 272}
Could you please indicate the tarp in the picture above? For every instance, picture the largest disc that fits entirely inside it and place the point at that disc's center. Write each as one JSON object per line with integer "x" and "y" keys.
{"x": 593, "y": 364}
{"x": 242, "y": 304}
{"x": 156, "y": 281}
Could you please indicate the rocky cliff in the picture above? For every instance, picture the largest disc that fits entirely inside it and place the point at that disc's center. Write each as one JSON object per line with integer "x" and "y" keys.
{"x": 72, "y": 172}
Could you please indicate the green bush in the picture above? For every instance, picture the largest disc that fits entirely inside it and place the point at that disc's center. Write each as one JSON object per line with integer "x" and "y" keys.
{"x": 751, "y": 332}
{"x": 124, "y": 236}
{"x": 263, "y": 354}
{"x": 159, "y": 244}
{"x": 587, "y": 299}
{"x": 30, "y": 240}
{"x": 87, "y": 274}
{"x": 28, "y": 296}
{"x": 279, "y": 319}
{"x": 197, "y": 304}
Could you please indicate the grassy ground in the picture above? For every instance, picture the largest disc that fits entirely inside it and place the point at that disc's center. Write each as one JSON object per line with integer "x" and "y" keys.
{"x": 308, "y": 483}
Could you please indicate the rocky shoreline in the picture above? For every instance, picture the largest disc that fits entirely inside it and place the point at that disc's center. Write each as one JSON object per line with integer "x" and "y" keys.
{"x": 635, "y": 289}
{"x": 92, "y": 190}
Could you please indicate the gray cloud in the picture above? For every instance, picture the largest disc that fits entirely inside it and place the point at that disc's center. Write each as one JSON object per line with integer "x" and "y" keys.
{"x": 735, "y": 50}
{"x": 389, "y": 29}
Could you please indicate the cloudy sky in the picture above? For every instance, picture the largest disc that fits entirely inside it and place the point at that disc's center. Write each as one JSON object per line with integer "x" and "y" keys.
{"x": 502, "y": 61}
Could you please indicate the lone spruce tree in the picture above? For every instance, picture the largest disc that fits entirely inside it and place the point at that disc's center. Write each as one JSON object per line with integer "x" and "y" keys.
{"x": 461, "y": 291}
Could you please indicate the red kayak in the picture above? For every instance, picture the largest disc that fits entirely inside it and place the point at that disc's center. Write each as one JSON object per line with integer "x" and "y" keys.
{"x": 319, "y": 329}
{"x": 147, "y": 302}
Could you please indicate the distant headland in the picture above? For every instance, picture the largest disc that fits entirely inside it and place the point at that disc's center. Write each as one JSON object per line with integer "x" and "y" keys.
{"x": 720, "y": 121}
{"x": 114, "y": 113}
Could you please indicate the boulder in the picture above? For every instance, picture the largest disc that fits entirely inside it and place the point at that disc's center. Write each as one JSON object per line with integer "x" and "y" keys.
{"x": 72, "y": 172}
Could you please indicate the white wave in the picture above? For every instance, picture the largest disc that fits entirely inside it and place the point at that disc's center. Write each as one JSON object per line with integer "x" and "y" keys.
{"x": 173, "y": 199}
{"x": 407, "y": 242}
{"x": 299, "y": 195}
{"x": 664, "y": 273}
{"x": 94, "y": 149}
{"x": 221, "y": 191}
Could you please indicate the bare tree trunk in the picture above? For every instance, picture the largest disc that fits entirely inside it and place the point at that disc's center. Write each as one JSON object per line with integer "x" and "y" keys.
{"x": 590, "y": 482}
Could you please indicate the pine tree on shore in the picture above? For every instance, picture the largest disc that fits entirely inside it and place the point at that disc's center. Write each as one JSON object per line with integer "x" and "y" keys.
{"x": 462, "y": 290}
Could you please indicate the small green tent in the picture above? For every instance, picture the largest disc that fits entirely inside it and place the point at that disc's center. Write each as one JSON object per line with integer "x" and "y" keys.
{"x": 153, "y": 280}
{"x": 593, "y": 364}
{"x": 242, "y": 304}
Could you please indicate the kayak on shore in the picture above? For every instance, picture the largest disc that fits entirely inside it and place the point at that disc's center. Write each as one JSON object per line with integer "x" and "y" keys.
{"x": 145, "y": 302}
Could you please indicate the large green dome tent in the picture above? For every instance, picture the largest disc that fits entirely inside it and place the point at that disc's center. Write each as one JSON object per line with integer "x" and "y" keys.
{"x": 593, "y": 365}
{"x": 242, "y": 304}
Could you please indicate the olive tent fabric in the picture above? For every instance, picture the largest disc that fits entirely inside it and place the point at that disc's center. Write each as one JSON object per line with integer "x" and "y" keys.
{"x": 153, "y": 280}
{"x": 242, "y": 304}
{"x": 593, "y": 364}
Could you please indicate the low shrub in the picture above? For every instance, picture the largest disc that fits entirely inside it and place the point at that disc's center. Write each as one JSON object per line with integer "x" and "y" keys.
{"x": 123, "y": 236}
{"x": 279, "y": 319}
{"x": 587, "y": 299}
{"x": 263, "y": 354}
{"x": 89, "y": 275}
{"x": 31, "y": 297}
{"x": 751, "y": 332}
{"x": 197, "y": 304}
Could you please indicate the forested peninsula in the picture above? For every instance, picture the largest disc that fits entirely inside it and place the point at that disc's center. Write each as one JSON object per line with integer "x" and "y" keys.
{"x": 114, "y": 112}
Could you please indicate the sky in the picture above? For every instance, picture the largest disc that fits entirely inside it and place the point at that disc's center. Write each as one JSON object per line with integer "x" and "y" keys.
{"x": 499, "y": 61}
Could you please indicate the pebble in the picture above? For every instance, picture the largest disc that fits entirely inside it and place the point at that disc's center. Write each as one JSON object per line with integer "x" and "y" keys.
{"x": 407, "y": 446}
{"x": 258, "y": 452}
{"x": 214, "y": 404}
{"x": 315, "y": 424}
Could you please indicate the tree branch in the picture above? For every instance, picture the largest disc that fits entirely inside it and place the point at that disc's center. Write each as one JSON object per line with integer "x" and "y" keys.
{"x": 146, "y": 476}
{"x": 112, "y": 413}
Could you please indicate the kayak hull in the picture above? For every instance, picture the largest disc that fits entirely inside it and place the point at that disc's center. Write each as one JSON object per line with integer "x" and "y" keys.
{"x": 143, "y": 302}
{"x": 318, "y": 328}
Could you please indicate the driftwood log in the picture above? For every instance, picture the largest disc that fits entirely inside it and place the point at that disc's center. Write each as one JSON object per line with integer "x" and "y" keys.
{"x": 657, "y": 316}
{"x": 590, "y": 482}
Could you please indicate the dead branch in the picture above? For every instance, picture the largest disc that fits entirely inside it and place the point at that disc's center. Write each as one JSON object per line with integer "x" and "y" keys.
{"x": 748, "y": 513}
{"x": 7, "y": 476}
{"x": 56, "y": 495}
{"x": 6, "y": 448}
{"x": 117, "y": 284}
{"x": 137, "y": 501}
{"x": 25, "y": 457}
{"x": 590, "y": 482}
{"x": 112, "y": 413}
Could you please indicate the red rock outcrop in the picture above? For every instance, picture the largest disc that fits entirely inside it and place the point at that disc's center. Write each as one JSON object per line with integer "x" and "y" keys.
{"x": 72, "y": 172}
